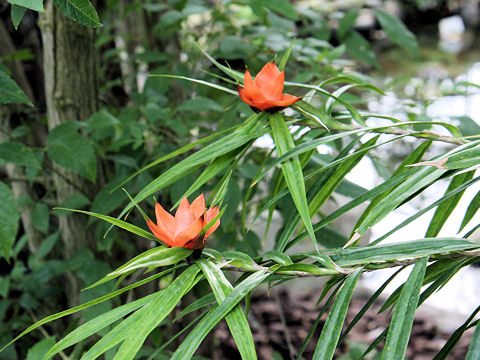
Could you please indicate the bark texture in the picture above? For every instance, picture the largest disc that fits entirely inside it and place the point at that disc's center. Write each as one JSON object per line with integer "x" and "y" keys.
{"x": 71, "y": 87}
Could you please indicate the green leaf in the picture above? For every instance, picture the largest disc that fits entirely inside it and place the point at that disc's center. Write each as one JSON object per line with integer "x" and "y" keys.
{"x": 283, "y": 7}
{"x": 403, "y": 250}
{"x": 252, "y": 129}
{"x": 68, "y": 148}
{"x": 424, "y": 177}
{"x": 474, "y": 347}
{"x": 327, "y": 343}
{"x": 17, "y": 12}
{"x": 347, "y": 21}
{"x": 81, "y": 11}
{"x": 236, "y": 320}
{"x": 36, "y": 5}
{"x": 285, "y": 56}
{"x": 134, "y": 330}
{"x": 41, "y": 217}
{"x": 9, "y": 220}
{"x": 121, "y": 224}
{"x": 455, "y": 337}
{"x": 10, "y": 92}
{"x": 425, "y": 209}
{"x": 188, "y": 347}
{"x": 397, "y": 31}
{"x": 471, "y": 211}
{"x": 18, "y": 154}
{"x": 203, "y": 82}
{"x": 93, "y": 326}
{"x": 87, "y": 305}
{"x": 39, "y": 349}
{"x": 215, "y": 167}
{"x": 156, "y": 257}
{"x": 292, "y": 171}
{"x": 200, "y": 104}
{"x": 445, "y": 209}
{"x": 359, "y": 48}
{"x": 402, "y": 321}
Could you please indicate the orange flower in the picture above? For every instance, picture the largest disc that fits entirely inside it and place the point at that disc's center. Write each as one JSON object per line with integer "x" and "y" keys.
{"x": 265, "y": 92}
{"x": 184, "y": 229}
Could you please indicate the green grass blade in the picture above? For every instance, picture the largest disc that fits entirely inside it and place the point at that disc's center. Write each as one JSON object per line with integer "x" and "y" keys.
{"x": 252, "y": 129}
{"x": 402, "y": 320}
{"x": 292, "y": 171}
{"x": 327, "y": 343}
{"x": 471, "y": 211}
{"x": 474, "y": 347}
{"x": 133, "y": 330}
{"x": 93, "y": 326}
{"x": 186, "y": 350}
{"x": 87, "y": 305}
{"x": 445, "y": 209}
{"x": 236, "y": 320}
{"x": 215, "y": 167}
{"x": 175, "y": 153}
{"x": 121, "y": 224}
{"x": 203, "y": 82}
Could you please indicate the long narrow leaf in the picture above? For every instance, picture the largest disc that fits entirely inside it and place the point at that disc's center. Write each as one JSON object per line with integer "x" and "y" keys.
{"x": 292, "y": 171}
{"x": 236, "y": 320}
{"x": 402, "y": 321}
{"x": 186, "y": 350}
{"x": 327, "y": 343}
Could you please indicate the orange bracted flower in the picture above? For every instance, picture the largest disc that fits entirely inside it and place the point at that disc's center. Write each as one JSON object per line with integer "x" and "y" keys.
{"x": 184, "y": 229}
{"x": 266, "y": 91}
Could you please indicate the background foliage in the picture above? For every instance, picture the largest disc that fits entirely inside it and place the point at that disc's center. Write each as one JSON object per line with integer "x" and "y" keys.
{"x": 169, "y": 124}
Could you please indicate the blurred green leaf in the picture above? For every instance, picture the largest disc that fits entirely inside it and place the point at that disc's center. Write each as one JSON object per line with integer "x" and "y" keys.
{"x": 40, "y": 349}
{"x": 9, "y": 220}
{"x": 397, "y": 31}
{"x": 359, "y": 48}
{"x": 18, "y": 154}
{"x": 41, "y": 217}
{"x": 68, "y": 148}
{"x": 36, "y": 5}
{"x": 474, "y": 347}
{"x": 347, "y": 21}
{"x": 17, "y": 12}
{"x": 10, "y": 92}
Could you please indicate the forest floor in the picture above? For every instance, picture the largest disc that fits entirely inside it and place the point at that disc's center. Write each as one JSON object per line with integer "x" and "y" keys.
{"x": 280, "y": 322}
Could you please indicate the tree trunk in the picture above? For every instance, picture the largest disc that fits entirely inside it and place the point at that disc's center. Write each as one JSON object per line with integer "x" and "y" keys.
{"x": 71, "y": 87}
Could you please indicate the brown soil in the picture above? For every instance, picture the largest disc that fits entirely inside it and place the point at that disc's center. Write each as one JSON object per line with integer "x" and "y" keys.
{"x": 274, "y": 335}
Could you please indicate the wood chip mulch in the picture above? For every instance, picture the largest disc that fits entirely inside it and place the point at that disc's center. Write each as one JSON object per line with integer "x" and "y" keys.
{"x": 270, "y": 313}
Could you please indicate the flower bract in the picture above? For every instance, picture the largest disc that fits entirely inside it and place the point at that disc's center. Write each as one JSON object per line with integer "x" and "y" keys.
{"x": 266, "y": 91}
{"x": 184, "y": 229}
